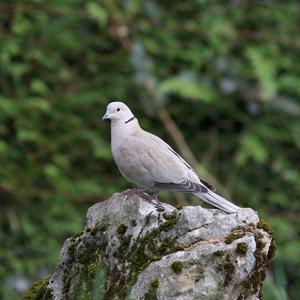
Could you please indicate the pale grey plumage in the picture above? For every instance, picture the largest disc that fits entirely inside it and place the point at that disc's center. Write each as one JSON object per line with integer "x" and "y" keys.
{"x": 147, "y": 161}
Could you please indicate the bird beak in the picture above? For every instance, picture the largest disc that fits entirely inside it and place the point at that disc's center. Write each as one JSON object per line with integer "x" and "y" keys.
{"x": 105, "y": 117}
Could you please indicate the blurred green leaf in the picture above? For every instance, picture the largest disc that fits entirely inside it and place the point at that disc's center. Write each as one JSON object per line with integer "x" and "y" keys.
{"x": 97, "y": 12}
{"x": 39, "y": 86}
{"x": 251, "y": 148}
{"x": 264, "y": 69}
{"x": 186, "y": 85}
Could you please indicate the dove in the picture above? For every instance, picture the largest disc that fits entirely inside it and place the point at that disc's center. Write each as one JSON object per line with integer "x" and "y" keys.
{"x": 150, "y": 163}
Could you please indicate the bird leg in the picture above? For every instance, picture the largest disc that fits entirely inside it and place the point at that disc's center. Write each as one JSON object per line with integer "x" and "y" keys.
{"x": 140, "y": 192}
{"x": 156, "y": 198}
{"x": 158, "y": 204}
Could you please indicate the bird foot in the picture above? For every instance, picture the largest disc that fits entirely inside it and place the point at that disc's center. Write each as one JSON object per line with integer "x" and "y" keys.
{"x": 157, "y": 203}
{"x": 159, "y": 207}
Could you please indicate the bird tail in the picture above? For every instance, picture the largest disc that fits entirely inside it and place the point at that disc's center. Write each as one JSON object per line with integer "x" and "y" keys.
{"x": 217, "y": 201}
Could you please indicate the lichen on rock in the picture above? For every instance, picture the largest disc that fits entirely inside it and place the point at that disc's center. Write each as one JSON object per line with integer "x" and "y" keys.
{"x": 131, "y": 248}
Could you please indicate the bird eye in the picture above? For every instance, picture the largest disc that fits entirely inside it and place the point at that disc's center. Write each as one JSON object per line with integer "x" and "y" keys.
{"x": 118, "y": 109}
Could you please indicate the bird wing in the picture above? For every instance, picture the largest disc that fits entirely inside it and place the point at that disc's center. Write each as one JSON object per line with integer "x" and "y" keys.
{"x": 147, "y": 160}
{"x": 191, "y": 174}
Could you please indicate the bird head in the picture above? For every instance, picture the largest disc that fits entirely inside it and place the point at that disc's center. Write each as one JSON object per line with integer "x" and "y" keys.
{"x": 118, "y": 112}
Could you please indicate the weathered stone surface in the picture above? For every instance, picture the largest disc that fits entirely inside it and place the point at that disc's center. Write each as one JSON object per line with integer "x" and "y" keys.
{"x": 133, "y": 249}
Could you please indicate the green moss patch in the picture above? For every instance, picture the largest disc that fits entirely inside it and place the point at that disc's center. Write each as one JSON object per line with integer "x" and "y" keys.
{"x": 219, "y": 253}
{"x": 133, "y": 223}
{"x": 241, "y": 248}
{"x": 154, "y": 284}
{"x": 121, "y": 229}
{"x": 265, "y": 226}
{"x": 229, "y": 269}
{"x": 39, "y": 290}
{"x": 234, "y": 235}
{"x": 177, "y": 266}
{"x": 151, "y": 293}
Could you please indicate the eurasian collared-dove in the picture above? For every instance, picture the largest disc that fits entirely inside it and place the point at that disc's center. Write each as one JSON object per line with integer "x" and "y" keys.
{"x": 147, "y": 161}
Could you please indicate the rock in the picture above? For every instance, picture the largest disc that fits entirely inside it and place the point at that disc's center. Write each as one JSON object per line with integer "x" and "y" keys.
{"x": 131, "y": 248}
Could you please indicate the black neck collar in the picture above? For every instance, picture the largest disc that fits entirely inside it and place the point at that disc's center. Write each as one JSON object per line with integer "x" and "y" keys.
{"x": 131, "y": 119}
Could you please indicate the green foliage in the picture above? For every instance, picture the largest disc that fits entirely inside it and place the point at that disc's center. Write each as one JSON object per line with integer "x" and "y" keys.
{"x": 227, "y": 73}
{"x": 186, "y": 86}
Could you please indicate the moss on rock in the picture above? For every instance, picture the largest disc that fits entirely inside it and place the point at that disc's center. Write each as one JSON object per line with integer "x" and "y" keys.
{"x": 177, "y": 266}
{"x": 265, "y": 226}
{"x": 171, "y": 220}
{"x": 149, "y": 247}
{"x": 39, "y": 290}
{"x": 234, "y": 235}
{"x": 219, "y": 253}
{"x": 241, "y": 249}
{"x": 253, "y": 284}
{"x": 121, "y": 229}
{"x": 86, "y": 258}
{"x": 151, "y": 293}
{"x": 154, "y": 283}
{"x": 229, "y": 270}
{"x": 178, "y": 206}
{"x": 133, "y": 223}
{"x": 272, "y": 250}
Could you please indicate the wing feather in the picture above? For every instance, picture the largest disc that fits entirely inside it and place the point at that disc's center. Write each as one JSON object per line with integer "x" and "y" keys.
{"x": 186, "y": 186}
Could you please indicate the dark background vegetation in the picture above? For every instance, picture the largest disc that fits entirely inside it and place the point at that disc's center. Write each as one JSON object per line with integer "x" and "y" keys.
{"x": 220, "y": 76}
